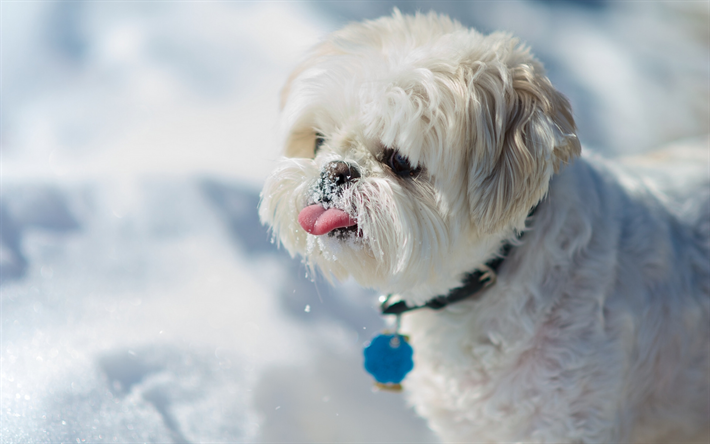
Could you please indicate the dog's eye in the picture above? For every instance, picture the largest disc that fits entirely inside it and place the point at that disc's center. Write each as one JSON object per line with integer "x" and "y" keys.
{"x": 320, "y": 139}
{"x": 399, "y": 164}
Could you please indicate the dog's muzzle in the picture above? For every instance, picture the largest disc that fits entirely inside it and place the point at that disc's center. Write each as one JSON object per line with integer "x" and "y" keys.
{"x": 324, "y": 213}
{"x": 334, "y": 177}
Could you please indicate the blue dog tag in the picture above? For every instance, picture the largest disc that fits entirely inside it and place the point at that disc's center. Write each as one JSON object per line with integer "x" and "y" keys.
{"x": 388, "y": 358}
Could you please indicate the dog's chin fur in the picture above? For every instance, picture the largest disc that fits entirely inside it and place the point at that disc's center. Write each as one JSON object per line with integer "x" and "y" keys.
{"x": 596, "y": 330}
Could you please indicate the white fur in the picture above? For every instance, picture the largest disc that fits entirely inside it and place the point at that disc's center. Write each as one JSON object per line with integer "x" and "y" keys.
{"x": 597, "y": 329}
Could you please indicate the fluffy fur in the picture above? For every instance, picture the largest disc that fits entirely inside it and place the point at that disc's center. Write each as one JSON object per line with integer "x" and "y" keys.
{"x": 597, "y": 329}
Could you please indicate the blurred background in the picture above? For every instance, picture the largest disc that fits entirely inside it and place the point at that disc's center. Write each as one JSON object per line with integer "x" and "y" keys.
{"x": 141, "y": 299}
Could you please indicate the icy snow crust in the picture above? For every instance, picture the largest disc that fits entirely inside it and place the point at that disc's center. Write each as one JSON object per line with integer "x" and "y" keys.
{"x": 141, "y": 300}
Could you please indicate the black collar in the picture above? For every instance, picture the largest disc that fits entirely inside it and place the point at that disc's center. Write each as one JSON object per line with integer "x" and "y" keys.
{"x": 473, "y": 284}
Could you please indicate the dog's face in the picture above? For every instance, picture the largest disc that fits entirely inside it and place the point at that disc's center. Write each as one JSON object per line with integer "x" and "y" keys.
{"x": 413, "y": 147}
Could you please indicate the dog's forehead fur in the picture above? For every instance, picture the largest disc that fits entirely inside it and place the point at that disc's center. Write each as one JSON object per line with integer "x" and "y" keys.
{"x": 402, "y": 82}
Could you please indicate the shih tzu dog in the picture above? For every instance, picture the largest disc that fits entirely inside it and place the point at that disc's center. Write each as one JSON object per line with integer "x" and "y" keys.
{"x": 418, "y": 152}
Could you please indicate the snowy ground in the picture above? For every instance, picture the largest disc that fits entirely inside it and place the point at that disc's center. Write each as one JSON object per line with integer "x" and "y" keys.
{"x": 142, "y": 300}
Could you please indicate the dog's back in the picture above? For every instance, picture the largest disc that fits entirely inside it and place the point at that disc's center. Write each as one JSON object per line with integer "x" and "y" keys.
{"x": 679, "y": 176}
{"x": 622, "y": 316}
{"x": 674, "y": 326}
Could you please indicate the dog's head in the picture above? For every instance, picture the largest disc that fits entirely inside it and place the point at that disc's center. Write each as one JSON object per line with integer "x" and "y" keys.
{"x": 413, "y": 147}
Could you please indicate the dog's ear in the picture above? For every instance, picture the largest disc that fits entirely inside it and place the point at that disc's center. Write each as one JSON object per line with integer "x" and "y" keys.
{"x": 522, "y": 132}
{"x": 300, "y": 135}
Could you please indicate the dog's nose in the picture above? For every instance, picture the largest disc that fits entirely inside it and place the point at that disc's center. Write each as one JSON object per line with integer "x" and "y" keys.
{"x": 340, "y": 173}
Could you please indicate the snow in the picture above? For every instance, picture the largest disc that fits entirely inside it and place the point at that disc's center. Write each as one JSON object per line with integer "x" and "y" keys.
{"x": 142, "y": 301}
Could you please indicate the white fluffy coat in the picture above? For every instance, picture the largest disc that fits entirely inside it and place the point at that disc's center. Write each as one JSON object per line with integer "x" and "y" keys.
{"x": 598, "y": 327}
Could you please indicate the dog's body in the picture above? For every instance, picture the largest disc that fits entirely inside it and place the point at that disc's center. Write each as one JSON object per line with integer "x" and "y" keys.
{"x": 417, "y": 148}
{"x": 597, "y": 330}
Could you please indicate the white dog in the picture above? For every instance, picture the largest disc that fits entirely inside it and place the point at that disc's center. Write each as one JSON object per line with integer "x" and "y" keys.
{"x": 415, "y": 152}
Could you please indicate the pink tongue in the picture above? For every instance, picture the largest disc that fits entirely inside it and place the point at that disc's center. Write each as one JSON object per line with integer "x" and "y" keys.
{"x": 317, "y": 220}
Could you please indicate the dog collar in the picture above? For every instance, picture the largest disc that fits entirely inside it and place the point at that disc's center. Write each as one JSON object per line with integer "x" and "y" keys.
{"x": 472, "y": 286}
{"x": 388, "y": 356}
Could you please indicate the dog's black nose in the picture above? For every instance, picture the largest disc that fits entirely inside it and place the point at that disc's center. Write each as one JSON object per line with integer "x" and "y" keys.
{"x": 340, "y": 173}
